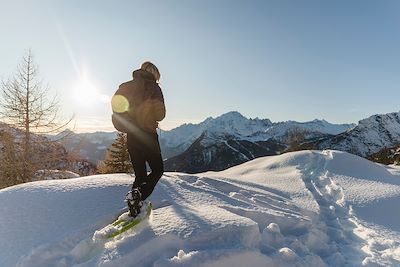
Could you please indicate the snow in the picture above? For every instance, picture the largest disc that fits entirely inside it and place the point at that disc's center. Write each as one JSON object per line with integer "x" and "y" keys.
{"x": 307, "y": 208}
{"x": 54, "y": 174}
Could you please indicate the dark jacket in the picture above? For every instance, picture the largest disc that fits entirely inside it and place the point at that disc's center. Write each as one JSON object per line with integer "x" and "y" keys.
{"x": 146, "y": 101}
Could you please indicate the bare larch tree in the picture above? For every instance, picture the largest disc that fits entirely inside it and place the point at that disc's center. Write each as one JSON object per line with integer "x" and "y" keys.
{"x": 25, "y": 105}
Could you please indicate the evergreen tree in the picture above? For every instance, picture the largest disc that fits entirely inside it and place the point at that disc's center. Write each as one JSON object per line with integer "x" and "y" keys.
{"x": 117, "y": 159}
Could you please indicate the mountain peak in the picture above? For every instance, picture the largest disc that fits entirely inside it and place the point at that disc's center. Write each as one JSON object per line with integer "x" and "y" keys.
{"x": 320, "y": 121}
{"x": 231, "y": 115}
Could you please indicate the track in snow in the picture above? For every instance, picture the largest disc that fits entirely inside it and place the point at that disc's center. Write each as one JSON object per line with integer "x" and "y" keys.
{"x": 334, "y": 217}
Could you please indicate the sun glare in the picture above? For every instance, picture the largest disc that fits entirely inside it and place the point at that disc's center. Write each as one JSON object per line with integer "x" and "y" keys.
{"x": 86, "y": 93}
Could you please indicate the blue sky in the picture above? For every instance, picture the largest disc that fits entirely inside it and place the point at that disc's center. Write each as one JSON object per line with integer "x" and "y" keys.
{"x": 282, "y": 60}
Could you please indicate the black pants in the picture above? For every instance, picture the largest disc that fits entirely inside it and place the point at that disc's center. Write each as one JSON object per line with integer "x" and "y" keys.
{"x": 144, "y": 147}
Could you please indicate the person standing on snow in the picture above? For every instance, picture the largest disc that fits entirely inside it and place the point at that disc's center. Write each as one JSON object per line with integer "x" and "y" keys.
{"x": 138, "y": 106}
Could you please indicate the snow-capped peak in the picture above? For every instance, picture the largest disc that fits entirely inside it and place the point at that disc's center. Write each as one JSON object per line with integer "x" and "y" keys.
{"x": 231, "y": 116}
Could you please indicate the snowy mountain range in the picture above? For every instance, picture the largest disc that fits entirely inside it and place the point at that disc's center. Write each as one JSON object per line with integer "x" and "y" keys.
{"x": 231, "y": 139}
{"x": 238, "y": 127}
{"x": 302, "y": 209}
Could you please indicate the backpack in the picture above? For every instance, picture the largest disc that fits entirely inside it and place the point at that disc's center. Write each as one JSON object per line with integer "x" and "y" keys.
{"x": 120, "y": 122}
{"x": 120, "y": 117}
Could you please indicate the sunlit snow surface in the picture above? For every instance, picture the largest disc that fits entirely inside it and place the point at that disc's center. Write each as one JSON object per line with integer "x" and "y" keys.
{"x": 309, "y": 208}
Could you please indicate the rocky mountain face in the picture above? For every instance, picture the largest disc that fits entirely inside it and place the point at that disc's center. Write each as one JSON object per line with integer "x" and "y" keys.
{"x": 370, "y": 136}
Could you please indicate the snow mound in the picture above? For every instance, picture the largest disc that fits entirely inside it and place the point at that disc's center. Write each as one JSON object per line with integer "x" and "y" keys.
{"x": 54, "y": 174}
{"x": 309, "y": 208}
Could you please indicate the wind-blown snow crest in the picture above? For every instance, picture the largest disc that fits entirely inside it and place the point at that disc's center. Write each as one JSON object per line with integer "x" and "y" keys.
{"x": 309, "y": 208}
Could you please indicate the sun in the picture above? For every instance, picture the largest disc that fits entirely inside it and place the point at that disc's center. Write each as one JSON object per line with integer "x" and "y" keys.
{"x": 86, "y": 93}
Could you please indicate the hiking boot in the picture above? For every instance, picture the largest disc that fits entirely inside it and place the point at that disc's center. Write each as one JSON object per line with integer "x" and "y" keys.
{"x": 134, "y": 201}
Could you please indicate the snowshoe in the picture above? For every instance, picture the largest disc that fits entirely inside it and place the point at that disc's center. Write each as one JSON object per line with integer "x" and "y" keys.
{"x": 123, "y": 224}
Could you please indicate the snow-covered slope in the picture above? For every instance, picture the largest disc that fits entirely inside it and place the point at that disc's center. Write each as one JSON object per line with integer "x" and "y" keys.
{"x": 369, "y": 136}
{"x": 309, "y": 208}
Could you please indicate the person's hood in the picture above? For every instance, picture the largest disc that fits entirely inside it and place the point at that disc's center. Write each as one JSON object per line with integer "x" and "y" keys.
{"x": 142, "y": 74}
